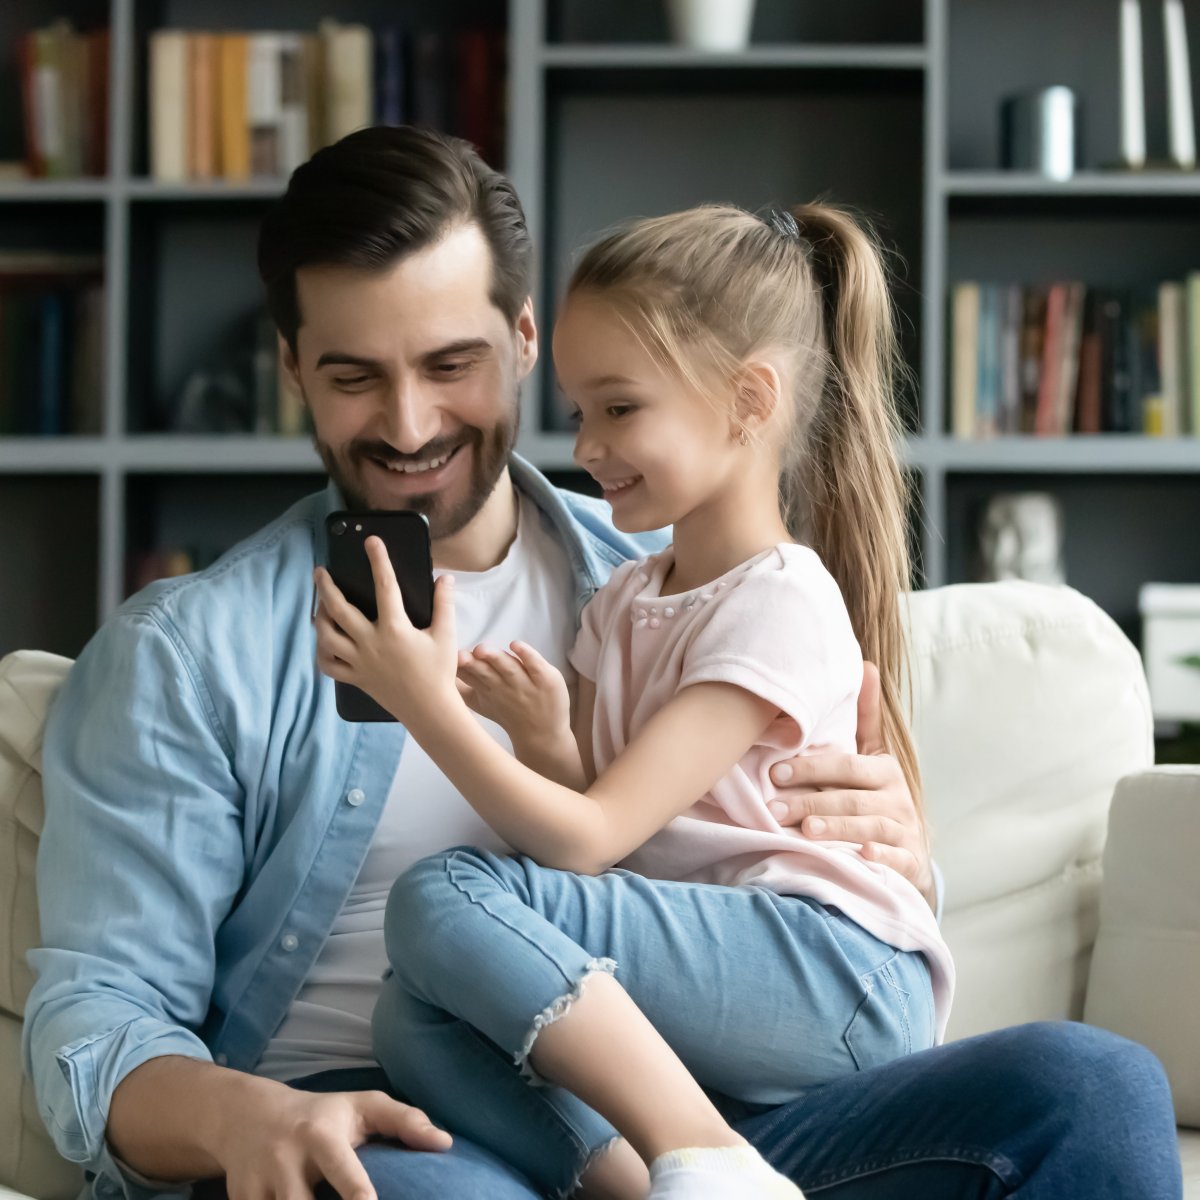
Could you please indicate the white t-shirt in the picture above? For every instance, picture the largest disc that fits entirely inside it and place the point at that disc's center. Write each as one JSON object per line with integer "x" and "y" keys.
{"x": 528, "y": 596}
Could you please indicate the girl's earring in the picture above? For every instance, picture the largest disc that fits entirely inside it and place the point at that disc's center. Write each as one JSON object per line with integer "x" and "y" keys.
{"x": 743, "y": 437}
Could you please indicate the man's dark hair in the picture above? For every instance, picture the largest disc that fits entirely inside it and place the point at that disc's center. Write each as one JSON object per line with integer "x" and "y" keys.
{"x": 380, "y": 194}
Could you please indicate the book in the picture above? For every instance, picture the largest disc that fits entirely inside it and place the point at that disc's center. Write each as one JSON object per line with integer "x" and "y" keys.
{"x": 391, "y": 107}
{"x": 293, "y": 105}
{"x": 1172, "y": 356}
{"x": 168, "y": 106}
{"x": 234, "y": 140}
{"x": 264, "y": 104}
{"x": 95, "y": 99}
{"x": 1087, "y": 396}
{"x": 1193, "y": 351}
{"x": 201, "y": 106}
{"x": 1069, "y": 357}
{"x": 1050, "y": 377}
{"x": 349, "y": 78}
{"x": 964, "y": 342}
{"x": 1033, "y": 328}
{"x": 1010, "y": 359}
{"x": 47, "y": 94}
{"x": 86, "y": 391}
{"x": 431, "y": 73}
{"x": 987, "y": 362}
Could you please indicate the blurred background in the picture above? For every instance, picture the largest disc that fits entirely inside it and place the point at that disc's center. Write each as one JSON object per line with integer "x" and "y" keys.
{"x": 1030, "y": 165}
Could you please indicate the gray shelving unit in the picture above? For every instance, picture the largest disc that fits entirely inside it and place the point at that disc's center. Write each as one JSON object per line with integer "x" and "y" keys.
{"x": 888, "y": 105}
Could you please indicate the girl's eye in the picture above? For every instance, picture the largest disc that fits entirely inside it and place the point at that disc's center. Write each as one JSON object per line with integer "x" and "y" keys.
{"x": 620, "y": 410}
{"x": 575, "y": 417}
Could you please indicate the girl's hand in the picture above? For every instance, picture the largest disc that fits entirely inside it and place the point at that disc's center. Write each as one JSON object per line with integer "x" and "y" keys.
{"x": 410, "y": 671}
{"x": 519, "y": 690}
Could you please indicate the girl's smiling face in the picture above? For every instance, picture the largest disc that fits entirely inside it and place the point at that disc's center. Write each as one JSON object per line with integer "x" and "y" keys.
{"x": 660, "y": 451}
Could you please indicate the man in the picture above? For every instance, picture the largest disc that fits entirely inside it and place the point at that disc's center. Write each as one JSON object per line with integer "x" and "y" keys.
{"x": 218, "y": 845}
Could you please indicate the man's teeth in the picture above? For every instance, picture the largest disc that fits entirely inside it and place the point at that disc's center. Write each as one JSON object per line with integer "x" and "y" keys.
{"x": 414, "y": 468}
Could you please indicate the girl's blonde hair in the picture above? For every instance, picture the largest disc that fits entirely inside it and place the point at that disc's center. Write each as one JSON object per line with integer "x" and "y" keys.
{"x": 709, "y": 289}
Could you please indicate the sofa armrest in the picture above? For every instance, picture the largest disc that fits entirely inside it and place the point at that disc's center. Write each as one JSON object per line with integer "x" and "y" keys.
{"x": 1145, "y": 972}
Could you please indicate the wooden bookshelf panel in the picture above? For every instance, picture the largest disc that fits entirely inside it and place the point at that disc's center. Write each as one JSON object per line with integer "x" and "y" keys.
{"x": 202, "y": 516}
{"x": 49, "y": 541}
{"x": 851, "y": 140}
{"x": 883, "y": 21}
{"x": 997, "y": 50}
{"x": 1120, "y": 531}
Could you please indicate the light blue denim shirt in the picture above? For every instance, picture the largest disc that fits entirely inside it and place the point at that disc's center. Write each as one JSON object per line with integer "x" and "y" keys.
{"x": 207, "y": 812}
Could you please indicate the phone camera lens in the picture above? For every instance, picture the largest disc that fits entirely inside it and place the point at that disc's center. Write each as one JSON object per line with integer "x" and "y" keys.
{"x": 338, "y": 528}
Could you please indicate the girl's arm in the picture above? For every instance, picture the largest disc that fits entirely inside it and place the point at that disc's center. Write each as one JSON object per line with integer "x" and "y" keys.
{"x": 682, "y": 751}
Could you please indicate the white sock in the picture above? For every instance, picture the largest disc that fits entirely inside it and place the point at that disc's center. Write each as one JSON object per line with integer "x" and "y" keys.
{"x": 718, "y": 1173}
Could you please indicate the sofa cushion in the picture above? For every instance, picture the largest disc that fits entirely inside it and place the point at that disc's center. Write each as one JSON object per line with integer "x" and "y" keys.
{"x": 1029, "y": 704}
{"x": 28, "y": 681}
{"x": 1146, "y": 970}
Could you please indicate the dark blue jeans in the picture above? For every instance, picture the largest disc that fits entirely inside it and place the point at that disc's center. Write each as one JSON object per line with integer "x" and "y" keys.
{"x": 1051, "y": 1111}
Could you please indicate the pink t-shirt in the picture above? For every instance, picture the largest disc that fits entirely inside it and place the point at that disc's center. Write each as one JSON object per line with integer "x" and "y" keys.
{"x": 778, "y": 627}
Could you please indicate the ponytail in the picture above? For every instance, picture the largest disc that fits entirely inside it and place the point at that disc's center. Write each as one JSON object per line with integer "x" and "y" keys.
{"x": 842, "y": 489}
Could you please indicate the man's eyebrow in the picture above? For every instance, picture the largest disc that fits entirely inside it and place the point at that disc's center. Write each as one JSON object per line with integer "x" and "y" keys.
{"x": 462, "y": 346}
{"x": 334, "y": 358}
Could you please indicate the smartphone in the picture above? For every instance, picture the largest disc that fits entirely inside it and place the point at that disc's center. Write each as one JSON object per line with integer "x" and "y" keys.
{"x": 406, "y": 536}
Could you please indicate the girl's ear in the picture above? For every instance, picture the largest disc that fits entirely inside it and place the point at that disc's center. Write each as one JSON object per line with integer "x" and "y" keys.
{"x": 757, "y": 394}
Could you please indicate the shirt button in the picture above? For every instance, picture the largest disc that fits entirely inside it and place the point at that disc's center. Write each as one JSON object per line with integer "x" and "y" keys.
{"x": 668, "y": 612}
{"x": 355, "y": 796}
{"x": 654, "y": 622}
{"x": 289, "y": 942}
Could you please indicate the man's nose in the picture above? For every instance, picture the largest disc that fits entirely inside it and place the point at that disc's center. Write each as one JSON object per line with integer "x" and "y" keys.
{"x": 411, "y": 418}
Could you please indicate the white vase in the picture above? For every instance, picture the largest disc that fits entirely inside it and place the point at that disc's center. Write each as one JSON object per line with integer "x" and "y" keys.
{"x": 720, "y": 25}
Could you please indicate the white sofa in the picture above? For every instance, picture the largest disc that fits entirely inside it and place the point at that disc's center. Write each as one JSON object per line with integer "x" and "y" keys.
{"x": 1029, "y": 707}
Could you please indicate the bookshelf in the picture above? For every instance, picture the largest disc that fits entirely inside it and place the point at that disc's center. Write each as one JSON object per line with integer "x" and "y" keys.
{"x": 888, "y": 105}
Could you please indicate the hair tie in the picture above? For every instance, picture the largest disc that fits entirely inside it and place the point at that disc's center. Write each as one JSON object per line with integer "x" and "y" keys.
{"x": 784, "y": 224}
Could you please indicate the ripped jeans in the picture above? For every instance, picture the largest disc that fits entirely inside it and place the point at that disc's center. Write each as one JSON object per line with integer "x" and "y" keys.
{"x": 760, "y": 995}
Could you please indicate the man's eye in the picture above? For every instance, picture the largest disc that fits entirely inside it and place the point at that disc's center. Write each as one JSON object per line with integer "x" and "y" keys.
{"x": 452, "y": 368}
{"x": 357, "y": 381}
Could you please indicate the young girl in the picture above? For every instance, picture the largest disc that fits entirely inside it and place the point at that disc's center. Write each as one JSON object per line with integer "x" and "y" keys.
{"x": 732, "y": 378}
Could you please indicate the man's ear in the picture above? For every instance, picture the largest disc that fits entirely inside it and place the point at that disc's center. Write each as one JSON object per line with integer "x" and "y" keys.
{"x": 288, "y": 364}
{"x": 758, "y": 391}
{"x": 526, "y": 333}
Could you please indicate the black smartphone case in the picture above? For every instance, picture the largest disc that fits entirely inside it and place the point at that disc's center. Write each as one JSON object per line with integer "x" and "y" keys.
{"x": 406, "y": 537}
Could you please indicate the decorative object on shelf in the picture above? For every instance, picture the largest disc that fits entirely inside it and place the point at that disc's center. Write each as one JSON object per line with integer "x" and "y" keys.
{"x": 1133, "y": 101}
{"x": 1171, "y": 648}
{"x": 1020, "y": 537}
{"x": 1039, "y": 131}
{"x": 1181, "y": 129}
{"x": 716, "y": 25}
{"x": 64, "y": 89}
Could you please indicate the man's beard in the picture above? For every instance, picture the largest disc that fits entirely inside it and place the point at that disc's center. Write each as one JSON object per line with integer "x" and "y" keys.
{"x": 490, "y": 452}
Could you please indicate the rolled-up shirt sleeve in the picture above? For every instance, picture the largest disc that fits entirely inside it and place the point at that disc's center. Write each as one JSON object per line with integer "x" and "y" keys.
{"x": 140, "y": 859}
